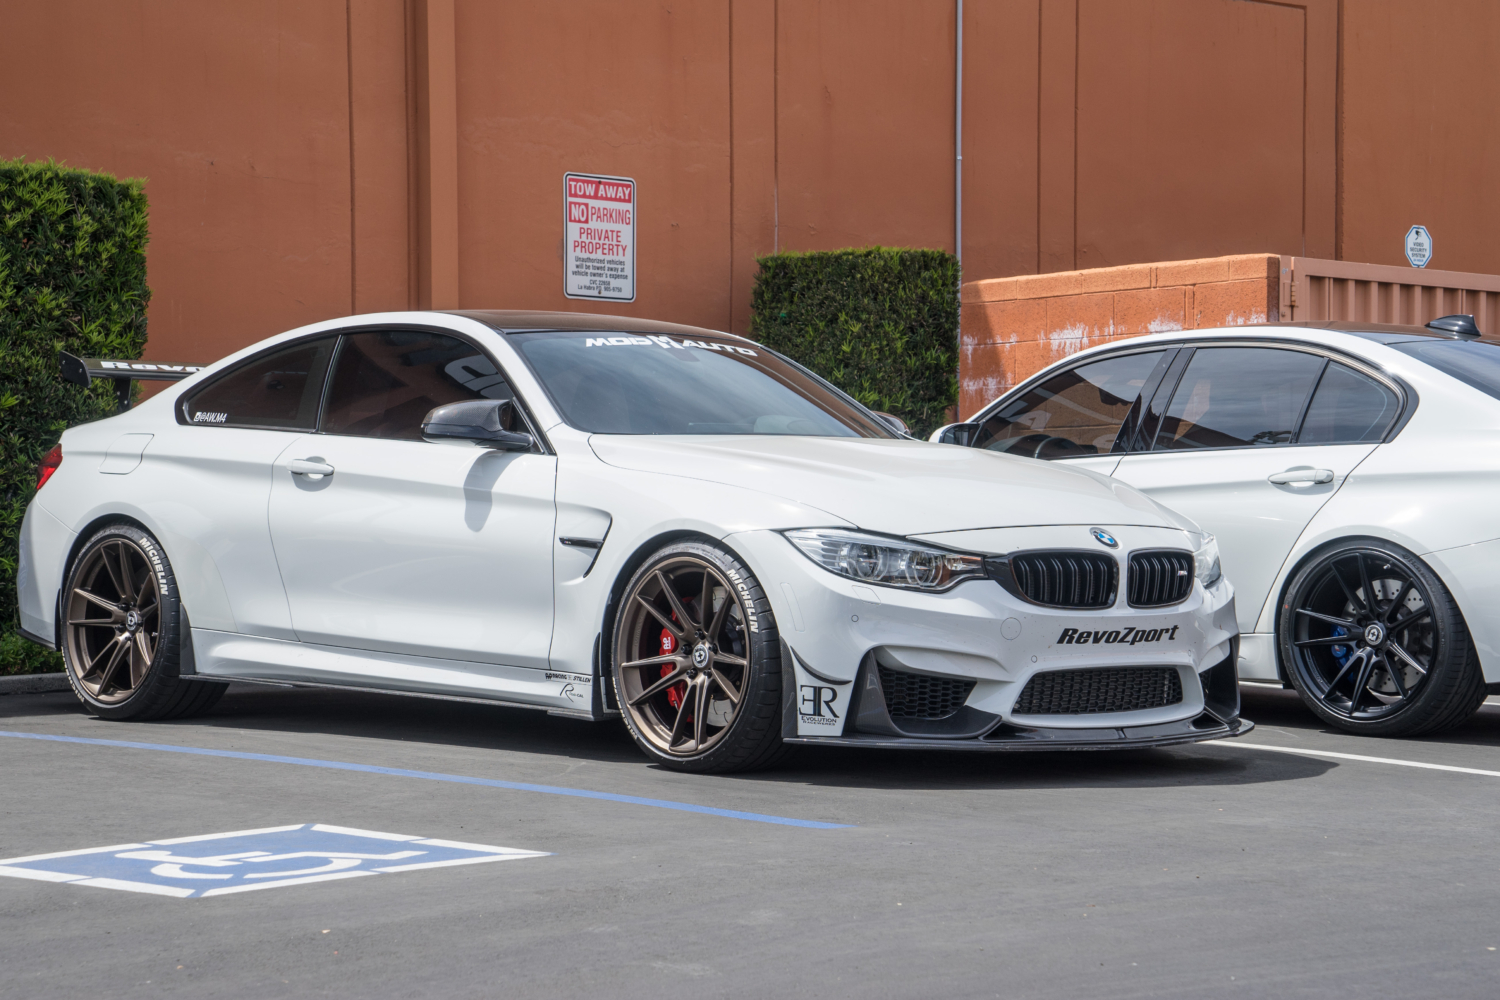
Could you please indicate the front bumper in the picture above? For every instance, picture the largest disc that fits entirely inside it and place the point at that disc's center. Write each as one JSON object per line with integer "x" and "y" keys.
{"x": 1217, "y": 717}
{"x": 839, "y": 639}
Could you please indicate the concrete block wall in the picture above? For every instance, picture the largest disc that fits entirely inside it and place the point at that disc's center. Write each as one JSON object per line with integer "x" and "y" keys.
{"x": 1014, "y": 327}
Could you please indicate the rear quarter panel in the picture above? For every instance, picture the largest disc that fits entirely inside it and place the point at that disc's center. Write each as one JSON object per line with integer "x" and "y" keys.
{"x": 192, "y": 492}
{"x": 1430, "y": 490}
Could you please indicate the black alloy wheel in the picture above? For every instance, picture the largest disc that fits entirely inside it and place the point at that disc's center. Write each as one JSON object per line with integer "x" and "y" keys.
{"x": 122, "y": 630}
{"x": 1374, "y": 643}
{"x": 697, "y": 662}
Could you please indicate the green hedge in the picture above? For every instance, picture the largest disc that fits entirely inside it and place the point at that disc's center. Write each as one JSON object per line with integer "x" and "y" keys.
{"x": 879, "y": 323}
{"x": 72, "y": 278}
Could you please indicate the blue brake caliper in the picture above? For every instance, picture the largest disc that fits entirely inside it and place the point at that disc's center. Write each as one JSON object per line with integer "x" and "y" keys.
{"x": 1341, "y": 653}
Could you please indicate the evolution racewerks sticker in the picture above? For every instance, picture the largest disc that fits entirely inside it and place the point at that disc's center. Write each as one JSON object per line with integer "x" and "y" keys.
{"x": 1119, "y": 636}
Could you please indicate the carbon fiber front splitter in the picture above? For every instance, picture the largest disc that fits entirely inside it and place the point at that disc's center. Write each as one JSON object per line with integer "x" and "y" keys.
{"x": 1007, "y": 737}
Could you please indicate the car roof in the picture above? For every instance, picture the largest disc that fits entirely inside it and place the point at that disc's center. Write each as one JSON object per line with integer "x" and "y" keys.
{"x": 1382, "y": 333}
{"x": 1385, "y": 334}
{"x": 532, "y": 321}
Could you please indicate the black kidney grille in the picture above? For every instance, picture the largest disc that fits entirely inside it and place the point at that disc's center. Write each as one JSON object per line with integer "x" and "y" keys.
{"x": 1159, "y": 578}
{"x": 922, "y": 696}
{"x": 1111, "y": 689}
{"x": 1066, "y": 579}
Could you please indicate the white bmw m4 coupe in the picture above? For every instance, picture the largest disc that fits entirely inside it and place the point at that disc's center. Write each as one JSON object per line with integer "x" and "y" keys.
{"x": 601, "y": 516}
{"x": 1349, "y": 472}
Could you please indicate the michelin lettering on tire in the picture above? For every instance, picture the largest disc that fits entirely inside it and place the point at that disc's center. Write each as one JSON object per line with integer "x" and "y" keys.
{"x": 752, "y": 621}
{"x": 154, "y": 554}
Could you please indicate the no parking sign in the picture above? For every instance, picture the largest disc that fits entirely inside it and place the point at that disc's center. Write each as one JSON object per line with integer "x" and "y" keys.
{"x": 599, "y": 237}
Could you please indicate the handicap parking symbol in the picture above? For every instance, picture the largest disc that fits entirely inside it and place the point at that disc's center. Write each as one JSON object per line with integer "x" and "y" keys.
{"x": 217, "y": 864}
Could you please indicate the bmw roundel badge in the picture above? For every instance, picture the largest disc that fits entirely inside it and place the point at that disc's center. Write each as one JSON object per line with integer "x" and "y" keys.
{"x": 1104, "y": 538}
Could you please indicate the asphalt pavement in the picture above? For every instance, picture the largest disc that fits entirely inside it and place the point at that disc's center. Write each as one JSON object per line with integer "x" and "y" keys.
{"x": 1204, "y": 871}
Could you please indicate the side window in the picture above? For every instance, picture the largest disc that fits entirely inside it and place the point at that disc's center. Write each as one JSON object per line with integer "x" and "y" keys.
{"x": 279, "y": 389}
{"x": 385, "y": 381}
{"x": 1232, "y": 397}
{"x": 1348, "y": 408}
{"x": 1078, "y": 412}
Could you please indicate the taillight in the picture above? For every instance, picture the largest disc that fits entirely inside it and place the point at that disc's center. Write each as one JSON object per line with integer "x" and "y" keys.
{"x": 48, "y": 465}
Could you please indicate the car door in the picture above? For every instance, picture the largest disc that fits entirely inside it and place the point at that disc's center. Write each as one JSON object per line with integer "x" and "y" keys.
{"x": 1250, "y": 441}
{"x": 388, "y": 542}
{"x": 218, "y": 461}
{"x": 1077, "y": 416}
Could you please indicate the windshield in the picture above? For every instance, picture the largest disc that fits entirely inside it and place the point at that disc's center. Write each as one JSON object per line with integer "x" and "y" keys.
{"x": 630, "y": 384}
{"x": 1469, "y": 361}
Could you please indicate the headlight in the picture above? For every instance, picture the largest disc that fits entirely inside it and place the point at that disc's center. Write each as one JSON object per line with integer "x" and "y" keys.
{"x": 1206, "y": 562}
{"x": 890, "y": 562}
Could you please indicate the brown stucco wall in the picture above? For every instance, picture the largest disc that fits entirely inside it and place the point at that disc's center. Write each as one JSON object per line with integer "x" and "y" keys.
{"x": 237, "y": 115}
{"x": 308, "y": 160}
{"x": 545, "y": 89}
{"x": 1421, "y": 131}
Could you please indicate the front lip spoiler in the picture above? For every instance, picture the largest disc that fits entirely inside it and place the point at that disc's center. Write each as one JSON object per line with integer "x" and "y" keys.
{"x": 1187, "y": 734}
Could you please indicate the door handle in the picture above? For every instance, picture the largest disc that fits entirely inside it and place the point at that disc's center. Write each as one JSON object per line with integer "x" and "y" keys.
{"x": 309, "y": 468}
{"x": 1291, "y": 476}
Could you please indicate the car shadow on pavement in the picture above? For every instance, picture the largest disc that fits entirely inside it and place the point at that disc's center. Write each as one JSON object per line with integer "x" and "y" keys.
{"x": 483, "y": 727}
{"x": 1274, "y": 708}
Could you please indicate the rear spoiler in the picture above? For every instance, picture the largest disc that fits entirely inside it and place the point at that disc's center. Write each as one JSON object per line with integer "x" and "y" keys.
{"x": 82, "y": 371}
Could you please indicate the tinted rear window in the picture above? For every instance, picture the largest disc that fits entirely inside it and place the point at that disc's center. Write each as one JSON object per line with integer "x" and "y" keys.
{"x": 1471, "y": 362}
{"x": 279, "y": 389}
{"x": 1348, "y": 408}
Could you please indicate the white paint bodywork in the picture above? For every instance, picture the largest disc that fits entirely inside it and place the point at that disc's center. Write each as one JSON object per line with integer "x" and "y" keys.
{"x": 1430, "y": 489}
{"x": 436, "y": 567}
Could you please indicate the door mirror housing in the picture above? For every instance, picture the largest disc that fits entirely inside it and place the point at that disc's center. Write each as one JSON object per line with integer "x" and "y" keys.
{"x": 895, "y": 422}
{"x": 483, "y": 421}
{"x": 962, "y": 435}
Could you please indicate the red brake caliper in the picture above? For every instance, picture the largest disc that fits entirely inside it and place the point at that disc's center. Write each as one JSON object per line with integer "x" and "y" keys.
{"x": 677, "y": 691}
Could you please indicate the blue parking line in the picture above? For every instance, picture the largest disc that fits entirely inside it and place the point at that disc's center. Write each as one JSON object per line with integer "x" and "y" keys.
{"x": 458, "y": 779}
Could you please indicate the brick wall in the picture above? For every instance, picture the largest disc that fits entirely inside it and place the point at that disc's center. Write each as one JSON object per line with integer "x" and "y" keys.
{"x": 1014, "y": 327}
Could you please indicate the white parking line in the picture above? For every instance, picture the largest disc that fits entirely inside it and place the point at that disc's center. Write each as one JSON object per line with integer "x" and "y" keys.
{"x": 1356, "y": 756}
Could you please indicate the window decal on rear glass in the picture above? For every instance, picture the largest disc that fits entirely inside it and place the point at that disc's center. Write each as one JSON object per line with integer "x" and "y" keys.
{"x": 205, "y": 417}
{"x": 477, "y": 374}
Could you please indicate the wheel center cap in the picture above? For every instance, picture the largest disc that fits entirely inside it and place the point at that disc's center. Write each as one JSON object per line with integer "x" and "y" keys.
{"x": 700, "y": 655}
{"x": 132, "y": 620}
{"x": 1374, "y": 634}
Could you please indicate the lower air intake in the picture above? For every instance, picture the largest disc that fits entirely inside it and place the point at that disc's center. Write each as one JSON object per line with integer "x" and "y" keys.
{"x": 1086, "y": 692}
{"x": 922, "y": 696}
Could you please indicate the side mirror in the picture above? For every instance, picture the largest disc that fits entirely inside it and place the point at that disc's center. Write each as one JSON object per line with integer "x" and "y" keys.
{"x": 483, "y": 421}
{"x": 895, "y": 422}
{"x": 962, "y": 435}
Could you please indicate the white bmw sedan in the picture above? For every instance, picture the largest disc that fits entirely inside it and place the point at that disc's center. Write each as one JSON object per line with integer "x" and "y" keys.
{"x": 1349, "y": 472}
{"x": 601, "y": 516}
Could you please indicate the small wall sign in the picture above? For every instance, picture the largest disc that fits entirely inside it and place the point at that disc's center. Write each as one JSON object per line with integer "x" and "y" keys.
{"x": 599, "y": 237}
{"x": 1418, "y": 246}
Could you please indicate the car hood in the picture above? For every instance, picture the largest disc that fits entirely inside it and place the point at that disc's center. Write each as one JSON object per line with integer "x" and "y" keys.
{"x": 897, "y": 487}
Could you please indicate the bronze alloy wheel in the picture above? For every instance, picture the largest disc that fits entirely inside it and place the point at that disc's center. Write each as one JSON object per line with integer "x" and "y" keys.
{"x": 684, "y": 660}
{"x": 122, "y": 631}
{"x": 113, "y": 619}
